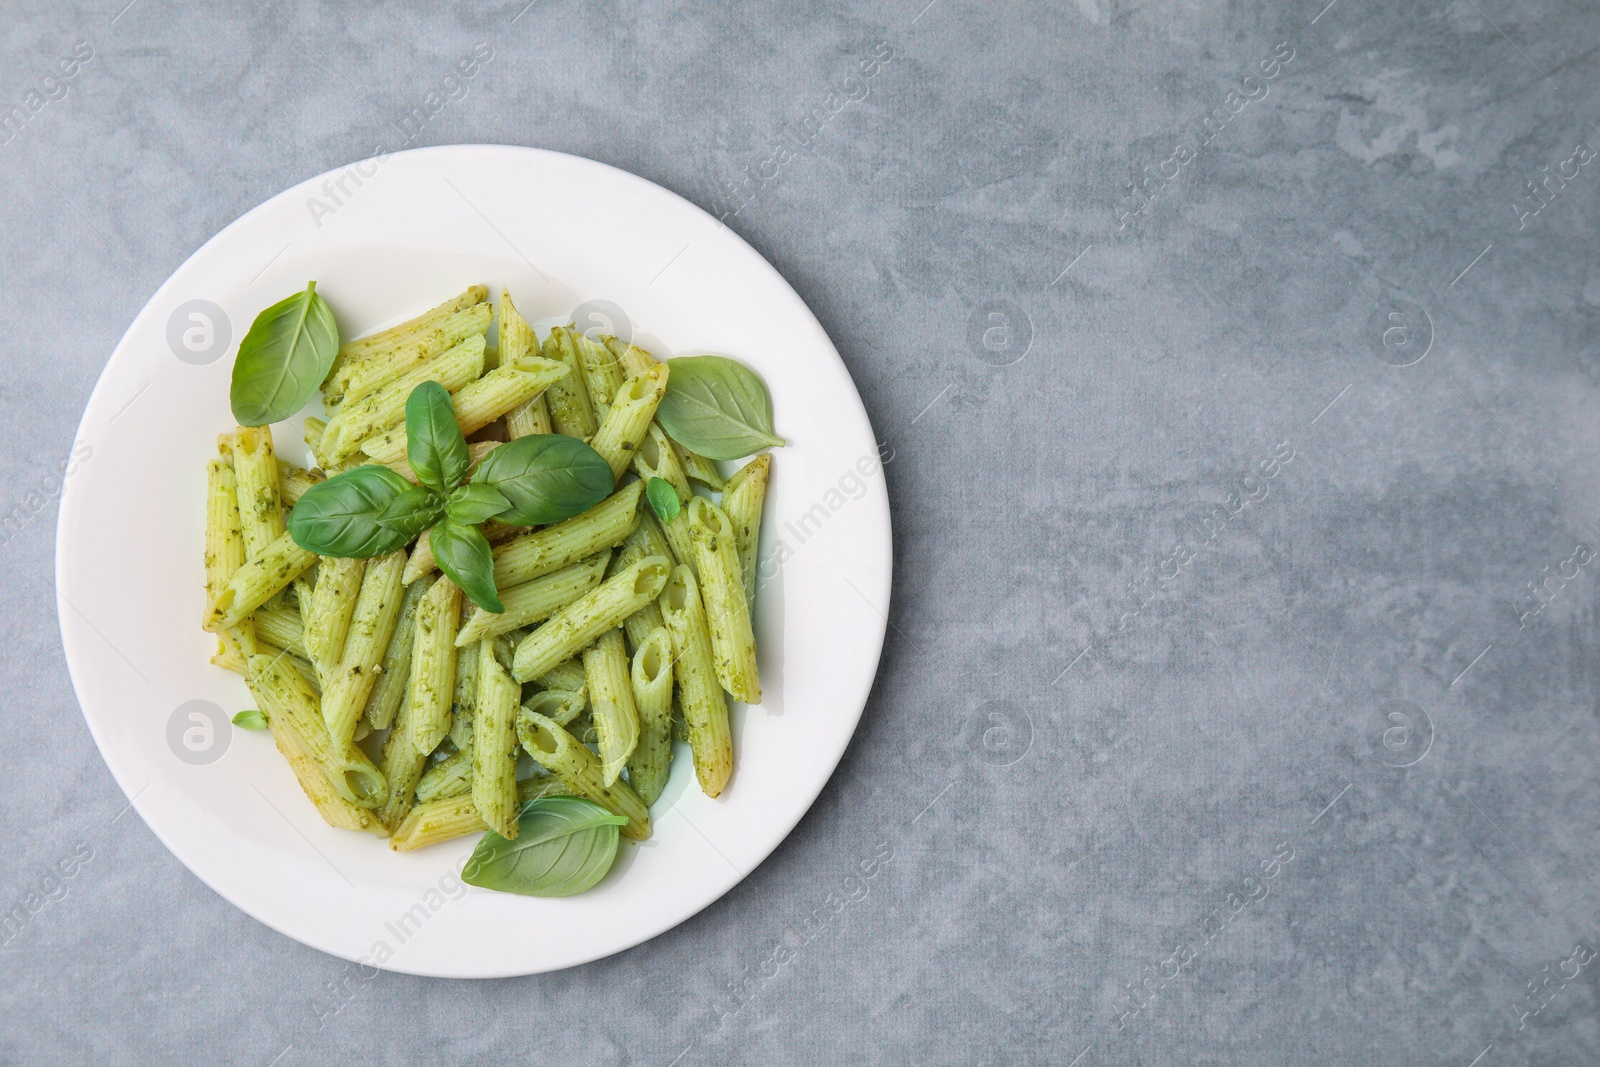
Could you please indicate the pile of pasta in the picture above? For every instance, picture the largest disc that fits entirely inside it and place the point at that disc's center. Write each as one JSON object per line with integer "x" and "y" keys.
{"x": 406, "y": 711}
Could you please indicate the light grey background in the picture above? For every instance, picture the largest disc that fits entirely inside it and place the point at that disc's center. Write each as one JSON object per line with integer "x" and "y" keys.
{"x": 1081, "y": 741}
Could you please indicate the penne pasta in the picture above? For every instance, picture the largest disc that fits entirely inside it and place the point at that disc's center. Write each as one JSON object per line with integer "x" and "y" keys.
{"x": 702, "y": 470}
{"x": 602, "y": 373}
{"x": 371, "y": 625}
{"x": 536, "y": 600}
{"x": 742, "y": 501}
{"x": 722, "y": 592}
{"x": 579, "y": 770}
{"x": 381, "y": 368}
{"x": 449, "y": 777}
{"x": 566, "y": 675}
{"x": 603, "y": 526}
{"x": 253, "y": 584}
{"x": 705, "y": 709}
{"x": 571, "y": 410}
{"x": 385, "y": 409}
{"x": 635, "y": 361}
{"x": 575, "y": 626}
{"x": 464, "y": 703}
{"x": 632, "y": 410}
{"x": 255, "y": 467}
{"x": 333, "y": 603}
{"x": 293, "y": 482}
{"x": 402, "y": 764}
{"x": 562, "y": 705}
{"x": 645, "y": 540}
{"x": 456, "y": 816}
{"x": 650, "y": 675}
{"x": 433, "y": 666}
{"x": 477, "y": 404}
{"x": 353, "y": 352}
{"x": 616, "y": 717}
{"x": 494, "y": 744}
{"x": 394, "y": 673}
{"x": 288, "y": 703}
{"x": 658, "y": 457}
{"x": 280, "y": 627}
{"x": 225, "y": 551}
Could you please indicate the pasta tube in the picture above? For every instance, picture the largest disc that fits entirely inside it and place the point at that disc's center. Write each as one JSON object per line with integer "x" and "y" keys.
{"x": 494, "y": 744}
{"x": 645, "y": 540}
{"x": 280, "y": 627}
{"x": 333, "y": 602}
{"x": 603, "y": 526}
{"x": 536, "y": 600}
{"x": 571, "y": 411}
{"x": 601, "y": 372}
{"x": 225, "y": 552}
{"x": 256, "y": 468}
{"x": 579, "y": 770}
{"x": 722, "y": 592}
{"x": 372, "y": 622}
{"x": 449, "y": 777}
{"x": 616, "y": 717}
{"x": 464, "y": 705}
{"x": 477, "y": 403}
{"x": 253, "y": 584}
{"x": 353, "y": 352}
{"x": 702, "y": 470}
{"x": 289, "y": 704}
{"x": 632, "y": 410}
{"x": 456, "y": 816}
{"x": 581, "y": 622}
{"x": 401, "y": 764}
{"x": 378, "y": 411}
{"x": 293, "y": 482}
{"x": 378, "y": 370}
{"x": 651, "y": 679}
{"x": 433, "y": 665}
{"x": 705, "y": 709}
{"x": 658, "y": 457}
{"x": 742, "y": 501}
{"x": 559, "y": 704}
{"x": 566, "y": 675}
{"x": 635, "y": 361}
{"x": 395, "y": 671}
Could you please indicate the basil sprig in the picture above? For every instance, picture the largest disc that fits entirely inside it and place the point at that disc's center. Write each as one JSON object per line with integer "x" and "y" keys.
{"x": 283, "y": 359}
{"x": 564, "y": 845}
{"x": 371, "y": 510}
{"x": 717, "y": 407}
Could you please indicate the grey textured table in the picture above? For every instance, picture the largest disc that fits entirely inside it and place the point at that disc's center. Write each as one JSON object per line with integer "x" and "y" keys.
{"x": 1239, "y": 698}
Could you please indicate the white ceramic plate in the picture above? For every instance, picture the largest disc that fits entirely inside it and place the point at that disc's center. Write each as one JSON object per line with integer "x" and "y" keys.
{"x": 384, "y": 240}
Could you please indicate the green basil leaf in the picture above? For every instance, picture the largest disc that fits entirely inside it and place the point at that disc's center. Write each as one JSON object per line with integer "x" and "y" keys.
{"x": 467, "y": 560}
{"x": 340, "y": 517}
{"x": 564, "y": 845}
{"x": 434, "y": 445}
{"x": 663, "y": 499}
{"x": 283, "y": 359}
{"x": 546, "y": 477}
{"x": 717, "y": 407}
{"x": 413, "y": 511}
{"x": 474, "y": 502}
{"x": 250, "y": 720}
